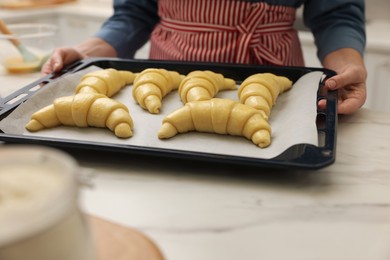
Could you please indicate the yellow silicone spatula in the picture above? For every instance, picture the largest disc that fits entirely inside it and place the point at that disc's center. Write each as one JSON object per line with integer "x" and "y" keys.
{"x": 26, "y": 54}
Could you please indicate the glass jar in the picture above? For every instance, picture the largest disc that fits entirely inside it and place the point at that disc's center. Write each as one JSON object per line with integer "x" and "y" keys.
{"x": 39, "y": 214}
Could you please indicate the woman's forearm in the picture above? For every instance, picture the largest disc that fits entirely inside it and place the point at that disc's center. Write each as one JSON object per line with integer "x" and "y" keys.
{"x": 338, "y": 59}
{"x": 95, "y": 47}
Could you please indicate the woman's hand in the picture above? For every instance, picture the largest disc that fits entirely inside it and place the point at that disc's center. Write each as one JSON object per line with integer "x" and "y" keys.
{"x": 60, "y": 58}
{"x": 93, "y": 47}
{"x": 350, "y": 80}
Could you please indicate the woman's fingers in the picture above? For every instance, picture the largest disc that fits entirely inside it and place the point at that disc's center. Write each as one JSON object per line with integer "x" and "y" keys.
{"x": 59, "y": 59}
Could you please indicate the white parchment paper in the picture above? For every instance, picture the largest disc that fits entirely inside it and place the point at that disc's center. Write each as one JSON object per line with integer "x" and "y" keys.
{"x": 292, "y": 121}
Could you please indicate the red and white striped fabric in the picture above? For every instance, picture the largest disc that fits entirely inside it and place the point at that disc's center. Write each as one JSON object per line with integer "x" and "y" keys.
{"x": 226, "y": 31}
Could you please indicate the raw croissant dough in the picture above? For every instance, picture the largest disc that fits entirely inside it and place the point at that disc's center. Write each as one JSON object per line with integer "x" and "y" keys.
{"x": 106, "y": 81}
{"x": 151, "y": 85}
{"x": 221, "y": 116}
{"x": 83, "y": 110}
{"x": 261, "y": 91}
{"x": 203, "y": 85}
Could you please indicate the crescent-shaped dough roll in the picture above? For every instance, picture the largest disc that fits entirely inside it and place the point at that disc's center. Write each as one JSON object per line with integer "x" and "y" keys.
{"x": 84, "y": 110}
{"x": 221, "y": 116}
{"x": 106, "y": 81}
{"x": 203, "y": 85}
{"x": 151, "y": 85}
{"x": 261, "y": 91}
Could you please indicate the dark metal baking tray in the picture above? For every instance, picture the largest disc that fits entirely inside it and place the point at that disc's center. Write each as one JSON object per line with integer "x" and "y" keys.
{"x": 300, "y": 156}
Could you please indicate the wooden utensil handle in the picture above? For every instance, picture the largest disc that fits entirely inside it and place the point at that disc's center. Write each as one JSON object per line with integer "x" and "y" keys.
{"x": 4, "y": 29}
{"x": 114, "y": 241}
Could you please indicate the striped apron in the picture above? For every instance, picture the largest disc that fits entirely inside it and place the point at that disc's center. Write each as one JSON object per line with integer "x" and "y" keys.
{"x": 226, "y": 31}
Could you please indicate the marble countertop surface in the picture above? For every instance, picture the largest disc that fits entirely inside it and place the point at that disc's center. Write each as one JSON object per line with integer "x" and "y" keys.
{"x": 199, "y": 210}
{"x": 210, "y": 211}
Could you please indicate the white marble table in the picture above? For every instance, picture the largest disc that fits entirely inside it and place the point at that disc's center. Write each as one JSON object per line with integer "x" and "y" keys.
{"x": 200, "y": 211}
{"x": 210, "y": 212}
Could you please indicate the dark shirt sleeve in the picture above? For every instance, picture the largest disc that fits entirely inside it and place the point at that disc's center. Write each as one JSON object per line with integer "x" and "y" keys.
{"x": 129, "y": 28}
{"x": 336, "y": 24}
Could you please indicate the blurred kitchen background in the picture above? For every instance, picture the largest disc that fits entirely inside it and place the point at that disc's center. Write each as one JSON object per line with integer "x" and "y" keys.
{"x": 78, "y": 19}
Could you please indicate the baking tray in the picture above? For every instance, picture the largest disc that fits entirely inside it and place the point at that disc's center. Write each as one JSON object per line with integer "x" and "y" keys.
{"x": 299, "y": 156}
